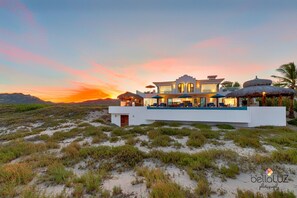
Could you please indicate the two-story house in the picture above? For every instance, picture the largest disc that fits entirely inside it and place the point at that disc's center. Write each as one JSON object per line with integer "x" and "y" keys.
{"x": 172, "y": 93}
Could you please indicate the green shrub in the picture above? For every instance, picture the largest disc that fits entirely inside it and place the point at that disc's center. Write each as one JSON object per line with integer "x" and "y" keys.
{"x": 201, "y": 126}
{"x": 17, "y": 149}
{"x": 72, "y": 150}
{"x": 166, "y": 190}
{"x": 230, "y": 172}
{"x": 245, "y": 138}
{"x": 31, "y": 192}
{"x": 60, "y": 135}
{"x": 274, "y": 194}
{"x": 153, "y": 134}
{"x": 151, "y": 175}
{"x": 225, "y": 126}
{"x": 285, "y": 156}
{"x": 57, "y": 173}
{"x": 17, "y": 135}
{"x": 91, "y": 181}
{"x": 116, "y": 190}
{"x": 174, "y": 124}
{"x": 114, "y": 139}
{"x": 175, "y": 131}
{"x": 128, "y": 155}
{"x": 138, "y": 130}
{"x": 159, "y": 124}
{"x": 197, "y": 161}
{"x": 28, "y": 107}
{"x": 162, "y": 140}
{"x": 203, "y": 187}
{"x": 19, "y": 173}
{"x": 196, "y": 139}
{"x": 293, "y": 122}
{"x": 131, "y": 141}
{"x": 210, "y": 134}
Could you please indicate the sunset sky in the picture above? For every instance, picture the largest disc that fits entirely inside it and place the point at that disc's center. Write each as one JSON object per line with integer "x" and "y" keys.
{"x": 75, "y": 50}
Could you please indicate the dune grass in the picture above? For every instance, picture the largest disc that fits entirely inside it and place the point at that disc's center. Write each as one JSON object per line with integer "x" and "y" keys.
{"x": 161, "y": 140}
{"x": 201, "y": 126}
{"x": 56, "y": 174}
{"x": 274, "y": 194}
{"x": 29, "y": 107}
{"x": 90, "y": 181}
{"x": 196, "y": 139}
{"x": 285, "y": 156}
{"x": 12, "y": 175}
{"x": 126, "y": 155}
{"x": 245, "y": 138}
{"x": 17, "y": 149}
{"x": 225, "y": 126}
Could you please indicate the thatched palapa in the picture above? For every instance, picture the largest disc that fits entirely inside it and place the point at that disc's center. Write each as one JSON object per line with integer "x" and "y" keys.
{"x": 257, "y": 91}
{"x": 258, "y": 88}
{"x": 129, "y": 95}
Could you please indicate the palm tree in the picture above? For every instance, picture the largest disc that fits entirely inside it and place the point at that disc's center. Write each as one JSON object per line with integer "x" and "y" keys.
{"x": 288, "y": 79}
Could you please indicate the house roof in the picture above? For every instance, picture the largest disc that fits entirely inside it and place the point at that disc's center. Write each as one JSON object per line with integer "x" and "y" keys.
{"x": 257, "y": 91}
{"x": 128, "y": 95}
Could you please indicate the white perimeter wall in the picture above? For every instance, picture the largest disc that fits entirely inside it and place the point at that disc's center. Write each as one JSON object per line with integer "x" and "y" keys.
{"x": 263, "y": 116}
{"x": 253, "y": 116}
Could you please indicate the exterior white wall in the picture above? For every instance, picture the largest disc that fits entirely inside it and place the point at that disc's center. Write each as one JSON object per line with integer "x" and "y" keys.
{"x": 251, "y": 117}
{"x": 236, "y": 116}
{"x": 116, "y": 119}
{"x": 264, "y": 116}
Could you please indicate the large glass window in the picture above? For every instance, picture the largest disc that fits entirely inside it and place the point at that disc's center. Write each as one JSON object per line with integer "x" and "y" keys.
{"x": 208, "y": 88}
{"x": 181, "y": 88}
{"x": 165, "y": 89}
{"x": 190, "y": 87}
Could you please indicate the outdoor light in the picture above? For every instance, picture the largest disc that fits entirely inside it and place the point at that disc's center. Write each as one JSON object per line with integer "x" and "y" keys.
{"x": 263, "y": 93}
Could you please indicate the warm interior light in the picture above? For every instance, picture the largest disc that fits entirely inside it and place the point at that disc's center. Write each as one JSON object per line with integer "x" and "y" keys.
{"x": 263, "y": 93}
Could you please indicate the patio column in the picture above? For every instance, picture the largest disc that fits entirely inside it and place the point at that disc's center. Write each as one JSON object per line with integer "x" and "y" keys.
{"x": 291, "y": 107}
{"x": 263, "y": 99}
{"x": 249, "y": 101}
{"x": 280, "y": 101}
{"x": 237, "y": 102}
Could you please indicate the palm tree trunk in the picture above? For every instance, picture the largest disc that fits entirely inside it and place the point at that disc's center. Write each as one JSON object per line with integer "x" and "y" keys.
{"x": 291, "y": 108}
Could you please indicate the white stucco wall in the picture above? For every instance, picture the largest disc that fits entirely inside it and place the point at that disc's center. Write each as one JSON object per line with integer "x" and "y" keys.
{"x": 116, "y": 119}
{"x": 263, "y": 116}
{"x": 252, "y": 116}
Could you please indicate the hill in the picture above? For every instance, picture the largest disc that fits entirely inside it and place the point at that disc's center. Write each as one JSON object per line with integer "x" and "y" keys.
{"x": 107, "y": 102}
{"x": 19, "y": 98}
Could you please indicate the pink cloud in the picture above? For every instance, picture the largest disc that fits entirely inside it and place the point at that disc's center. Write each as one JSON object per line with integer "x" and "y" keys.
{"x": 212, "y": 43}
{"x": 20, "y": 10}
{"x": 19, "y": 55}
{"x": 32, "y": 34}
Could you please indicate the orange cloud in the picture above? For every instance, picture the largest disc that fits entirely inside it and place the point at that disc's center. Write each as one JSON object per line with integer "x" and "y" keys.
{"x": 83, "y": 94}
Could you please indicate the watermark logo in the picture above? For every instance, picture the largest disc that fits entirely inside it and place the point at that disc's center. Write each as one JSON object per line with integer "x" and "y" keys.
{"x": 270, "y": 180}
{"x": 269, "y": 171}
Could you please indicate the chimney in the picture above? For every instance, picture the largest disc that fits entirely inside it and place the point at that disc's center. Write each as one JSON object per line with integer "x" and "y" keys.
{"x": 212, "y": 77}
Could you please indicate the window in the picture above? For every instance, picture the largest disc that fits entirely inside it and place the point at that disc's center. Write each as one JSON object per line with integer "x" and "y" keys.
{"x": 207, "y": 88}
{"x": 165, "y": 89}
{"x": 181, "y": 88}
{"x": 190, "y": 87}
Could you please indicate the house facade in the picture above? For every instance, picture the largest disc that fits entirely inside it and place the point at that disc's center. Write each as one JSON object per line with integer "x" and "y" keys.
{"x": 199, "y": 92}
{"x": 187, "y": 100}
